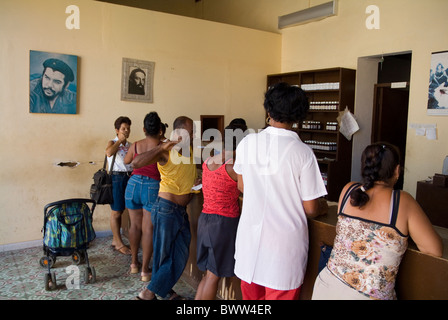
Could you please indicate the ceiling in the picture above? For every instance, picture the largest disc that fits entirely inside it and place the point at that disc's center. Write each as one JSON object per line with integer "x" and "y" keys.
{"x": 254, "y": 14}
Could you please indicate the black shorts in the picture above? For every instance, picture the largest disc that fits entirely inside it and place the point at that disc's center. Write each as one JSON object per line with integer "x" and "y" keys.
{"x": 216, "y": 244}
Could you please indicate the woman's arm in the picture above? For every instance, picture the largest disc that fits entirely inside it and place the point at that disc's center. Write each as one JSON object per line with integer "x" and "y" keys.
{"x": 315, "y": 207}
{"x": 112, "y": 147}
{"x": 159, "y": 154}
{"x": 148, "y": 157}
{"x": 420, "y": 228}
{"x": 240, "y": 183}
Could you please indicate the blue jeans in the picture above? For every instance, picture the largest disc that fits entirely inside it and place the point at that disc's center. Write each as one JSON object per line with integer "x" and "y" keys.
{"x": 119, "y": 182}
{"x": 171, "y": 245}
{"x": 141, "y": 192}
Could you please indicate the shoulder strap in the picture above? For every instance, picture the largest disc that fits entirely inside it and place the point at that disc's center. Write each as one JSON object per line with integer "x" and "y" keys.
{"x": 395, "y": 204}
{"x": 105, "y": 162}
{"x": 347, "y": 194}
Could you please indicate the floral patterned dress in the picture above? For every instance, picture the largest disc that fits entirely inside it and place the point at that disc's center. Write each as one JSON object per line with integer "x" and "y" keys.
{"x": 366, "y": 255}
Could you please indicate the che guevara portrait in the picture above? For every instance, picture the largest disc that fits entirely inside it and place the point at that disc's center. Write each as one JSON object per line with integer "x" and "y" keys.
{"x": 53, "y": 82}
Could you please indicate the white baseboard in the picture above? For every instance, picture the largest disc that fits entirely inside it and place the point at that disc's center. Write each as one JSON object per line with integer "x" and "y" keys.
{"x": 38, "y": 243}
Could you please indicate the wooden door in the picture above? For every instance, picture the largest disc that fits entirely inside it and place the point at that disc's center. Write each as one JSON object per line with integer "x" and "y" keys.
{"x": 390, "y": 118}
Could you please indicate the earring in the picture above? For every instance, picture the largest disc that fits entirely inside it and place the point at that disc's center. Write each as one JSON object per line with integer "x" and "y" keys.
{"x": 268, "y": 119}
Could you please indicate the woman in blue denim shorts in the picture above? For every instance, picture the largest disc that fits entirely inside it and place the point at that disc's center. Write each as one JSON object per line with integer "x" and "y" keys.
{"x": 141, "y": 192}
{"x": 120, "y": 175}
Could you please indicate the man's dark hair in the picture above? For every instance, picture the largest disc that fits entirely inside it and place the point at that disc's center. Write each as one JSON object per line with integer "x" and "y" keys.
{"x": 239, "y": 122}
{"x": 286, "y": 103}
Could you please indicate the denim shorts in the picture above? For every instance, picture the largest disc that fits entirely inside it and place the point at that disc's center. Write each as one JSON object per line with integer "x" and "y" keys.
{"x": 141, "y": 192}
{"x": 119, "y": 182}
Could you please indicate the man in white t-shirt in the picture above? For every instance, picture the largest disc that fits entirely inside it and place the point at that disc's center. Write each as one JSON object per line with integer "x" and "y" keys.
{"x": 282, "y": 186}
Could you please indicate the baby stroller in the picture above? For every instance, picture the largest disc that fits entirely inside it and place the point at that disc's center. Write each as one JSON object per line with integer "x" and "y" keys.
{"x": 67, "y": 231}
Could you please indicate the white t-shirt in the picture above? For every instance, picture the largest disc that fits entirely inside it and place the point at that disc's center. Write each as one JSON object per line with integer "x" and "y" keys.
{"x": 119, "y": 159}
{"x": 279, "y": 172}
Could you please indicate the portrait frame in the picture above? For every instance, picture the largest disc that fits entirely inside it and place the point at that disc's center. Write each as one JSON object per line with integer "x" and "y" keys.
{"x": 438, "y": 85}
{"x": 132, "y": 67}
{"x": 53, "y": 82}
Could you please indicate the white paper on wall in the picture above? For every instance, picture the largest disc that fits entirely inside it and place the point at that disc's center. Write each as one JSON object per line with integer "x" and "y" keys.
{"x": 347, "y": 123}
{"x": 428, "y": 130}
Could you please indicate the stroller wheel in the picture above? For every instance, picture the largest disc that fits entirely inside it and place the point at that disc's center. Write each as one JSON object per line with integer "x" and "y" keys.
{"x": 47, "y": 261}
{"x": 90, "y": 275}
{"x": 76, "y": 257}
{"x": 50, "y": 281}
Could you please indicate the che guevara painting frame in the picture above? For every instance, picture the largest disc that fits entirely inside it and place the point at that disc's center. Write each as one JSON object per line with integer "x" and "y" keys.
{"x": 438, "y": 84}
{"x": 137, "y": 80}
{"x": 53, "y": 82}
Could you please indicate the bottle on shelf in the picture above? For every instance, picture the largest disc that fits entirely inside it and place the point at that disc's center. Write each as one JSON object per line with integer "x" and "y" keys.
{"x": 322, "y": 145}
{"x": 324, "y": 105}
{"x": 331, "y": 126}
{"x": 311, "y": 125}
{"x": 320, "y": 86}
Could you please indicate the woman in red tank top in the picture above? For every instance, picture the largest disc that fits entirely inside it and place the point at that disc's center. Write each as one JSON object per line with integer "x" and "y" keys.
{"x": 218, "y": 221}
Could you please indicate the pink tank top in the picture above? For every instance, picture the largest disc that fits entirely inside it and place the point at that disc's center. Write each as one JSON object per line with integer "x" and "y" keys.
{"x": 220, "y": 192}
{"x": 150, "y": 170}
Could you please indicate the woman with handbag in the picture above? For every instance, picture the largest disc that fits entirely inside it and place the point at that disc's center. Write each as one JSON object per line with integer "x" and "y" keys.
{"x": 120, "y": 173}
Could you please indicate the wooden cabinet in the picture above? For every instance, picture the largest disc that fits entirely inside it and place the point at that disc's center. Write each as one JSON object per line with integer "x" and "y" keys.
{"x": 329, "y": 91}
{"x": 434, "y": 201}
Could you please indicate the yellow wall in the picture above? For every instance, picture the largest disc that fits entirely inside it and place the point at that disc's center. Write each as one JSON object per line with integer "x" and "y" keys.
{"x": 405, "y": 25}
{"x": 200, "y": 68}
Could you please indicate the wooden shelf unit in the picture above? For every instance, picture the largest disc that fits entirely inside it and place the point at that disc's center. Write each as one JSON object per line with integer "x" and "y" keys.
{"x": 329, "y": 91}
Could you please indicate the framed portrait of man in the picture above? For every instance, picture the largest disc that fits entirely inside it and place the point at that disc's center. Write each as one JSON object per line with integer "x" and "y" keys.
{"x": 438, "y": 84}
{"x": 53, "y": 82}
{"x": 137, "y": 80}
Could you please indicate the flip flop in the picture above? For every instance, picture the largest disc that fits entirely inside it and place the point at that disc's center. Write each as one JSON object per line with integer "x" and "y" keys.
{"x": 124, "y": 250}
{"x": 174, "y": 296}
{"x": 134, "y": 269}
{"x": 146, "y": 276}
{"x": 138, "y": 298}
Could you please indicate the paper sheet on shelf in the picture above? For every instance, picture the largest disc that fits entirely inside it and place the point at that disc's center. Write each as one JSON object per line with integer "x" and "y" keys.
{"x": 347, "y": 123}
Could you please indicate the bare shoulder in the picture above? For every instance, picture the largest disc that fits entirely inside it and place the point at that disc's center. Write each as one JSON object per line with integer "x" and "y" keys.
{"x": 232, "y": 174}
{"x": 407, "y": 200}
{"x": 346, "y": 187}
{"x": 409, "y": 207}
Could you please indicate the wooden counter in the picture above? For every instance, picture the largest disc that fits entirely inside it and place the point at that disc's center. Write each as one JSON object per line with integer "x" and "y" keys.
{"x": 421, "y": 276}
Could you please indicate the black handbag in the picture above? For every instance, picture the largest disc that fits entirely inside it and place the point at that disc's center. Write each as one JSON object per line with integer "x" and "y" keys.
{"x": 101, "y": 189}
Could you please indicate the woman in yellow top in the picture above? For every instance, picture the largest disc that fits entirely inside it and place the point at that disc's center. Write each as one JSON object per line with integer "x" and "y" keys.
{"x": 169, "y": 216}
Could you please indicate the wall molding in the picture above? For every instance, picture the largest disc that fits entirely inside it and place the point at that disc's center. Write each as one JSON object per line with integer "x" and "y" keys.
{"x": 38, "y": 243}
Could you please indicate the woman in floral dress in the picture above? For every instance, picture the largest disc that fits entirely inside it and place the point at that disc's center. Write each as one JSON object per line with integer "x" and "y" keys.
{"x": 374, "y": 224}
